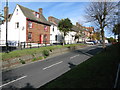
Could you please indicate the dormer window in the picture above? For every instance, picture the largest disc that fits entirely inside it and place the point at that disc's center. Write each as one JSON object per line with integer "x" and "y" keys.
{"x": 37, "y": 14}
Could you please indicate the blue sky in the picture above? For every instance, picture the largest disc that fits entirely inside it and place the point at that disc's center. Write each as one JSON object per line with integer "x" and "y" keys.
{"x": 72, "y": 10}
{"x": 75, "y": 11}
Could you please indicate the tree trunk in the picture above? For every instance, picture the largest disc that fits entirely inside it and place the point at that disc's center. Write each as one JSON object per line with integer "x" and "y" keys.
{"x": 118, "y": 37}
{"x": 64, "y": 39}
{"x": 103, "y": 38}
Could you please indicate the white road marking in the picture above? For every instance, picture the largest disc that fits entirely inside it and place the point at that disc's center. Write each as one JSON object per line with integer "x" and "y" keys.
{"x": 13, "y": 81}
{"x": 52, "y": 65}
{"x": 74, "y": 56}
{"x": 91, "y": 49}
{"x": 116, "y": 80}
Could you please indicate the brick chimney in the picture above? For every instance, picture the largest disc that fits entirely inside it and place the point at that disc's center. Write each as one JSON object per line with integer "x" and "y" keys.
{"x": 50, "y": 19}
{"x": 40, "y": 10}
{"x": 5, "y": 12}
{"x": 78, "y": 25}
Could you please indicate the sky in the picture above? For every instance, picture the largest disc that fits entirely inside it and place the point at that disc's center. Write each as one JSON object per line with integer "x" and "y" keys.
{"x": 75, "y": 11}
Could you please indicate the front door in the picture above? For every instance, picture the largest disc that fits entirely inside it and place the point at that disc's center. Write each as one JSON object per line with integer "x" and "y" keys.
{"x": 41, "y": 39}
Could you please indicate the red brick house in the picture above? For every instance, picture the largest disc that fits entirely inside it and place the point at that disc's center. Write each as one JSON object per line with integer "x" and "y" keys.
{"x": 38, "y": 28}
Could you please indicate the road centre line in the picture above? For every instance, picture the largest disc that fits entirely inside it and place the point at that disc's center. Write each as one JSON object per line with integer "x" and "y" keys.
{"x": 13, "y": 81}
{"x": 52, "y": 65}
{"x": 74, "y": 56}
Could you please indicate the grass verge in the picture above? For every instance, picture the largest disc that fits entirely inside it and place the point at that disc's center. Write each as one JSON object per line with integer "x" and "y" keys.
{"x": 24, "y": 52}
{"x": 97, "y": 72}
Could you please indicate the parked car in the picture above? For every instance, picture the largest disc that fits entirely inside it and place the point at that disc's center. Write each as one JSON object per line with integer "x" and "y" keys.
{"x": 90, "y": 42}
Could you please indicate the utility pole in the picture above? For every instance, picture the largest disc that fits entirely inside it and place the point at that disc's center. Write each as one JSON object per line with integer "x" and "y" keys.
{"x": 6, "y": 26}
{"x": 119, "y": 21}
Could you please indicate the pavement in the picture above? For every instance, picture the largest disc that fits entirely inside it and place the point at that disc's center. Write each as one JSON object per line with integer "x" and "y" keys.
{"x": 36, "y": 74}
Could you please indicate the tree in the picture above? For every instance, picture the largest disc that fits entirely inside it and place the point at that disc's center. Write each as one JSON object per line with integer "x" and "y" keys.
{"x": 65, "y": 26}
{"x": 102, "y": 14}
{"x": 96, "y": 36}
{"x": 111, "y": 40}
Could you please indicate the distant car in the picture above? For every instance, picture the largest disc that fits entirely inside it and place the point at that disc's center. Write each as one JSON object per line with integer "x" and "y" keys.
{"x": 90, "y": 42}
{"x": 106, "y": 41}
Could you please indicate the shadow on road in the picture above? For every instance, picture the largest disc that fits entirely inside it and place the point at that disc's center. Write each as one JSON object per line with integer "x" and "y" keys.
{"x": 89, "y": 52}
{"x": 28, "y": 87}
{"x": 9, "y": 75}
{"x": 71, "y": 65}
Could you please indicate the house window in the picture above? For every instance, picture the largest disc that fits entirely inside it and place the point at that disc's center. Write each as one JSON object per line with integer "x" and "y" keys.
{"x": 45, "y": 38}
{"x": 45, "y": 28}
{"x": 29, "y": 35}
{"x": 30, "y": 24}
{"x": 17, "y": 25}
{"x": 56, "y": 37}
{"x": 17, "y": 12}
{"x": 53, "y": 28}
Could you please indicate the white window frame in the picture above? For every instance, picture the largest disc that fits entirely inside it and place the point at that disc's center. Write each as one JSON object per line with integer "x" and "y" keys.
{"x": 30, "y": 24}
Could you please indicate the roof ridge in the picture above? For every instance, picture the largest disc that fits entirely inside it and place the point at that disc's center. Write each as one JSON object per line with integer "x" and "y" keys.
{"x": 29, "y": 14}
{"x": 26, "y": 7}
{"x": 56, "y": 18}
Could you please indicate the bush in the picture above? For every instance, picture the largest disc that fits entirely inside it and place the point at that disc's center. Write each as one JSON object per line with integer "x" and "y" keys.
{"x": 39, "y": 58}
{"x": 22, "y": 61}
{"x": 34, "y": 59}
{"x": 45, "y": 56}
{"x": 45, "y": 52}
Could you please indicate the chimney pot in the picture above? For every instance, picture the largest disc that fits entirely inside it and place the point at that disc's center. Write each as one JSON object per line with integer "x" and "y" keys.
{"x": 40, "y": 10}
{"x": 5, "y": 12}
{"x": 50, "y": 19}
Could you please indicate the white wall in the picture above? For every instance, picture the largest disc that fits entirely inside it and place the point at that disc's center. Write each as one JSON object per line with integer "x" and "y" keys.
{"x": 3, "y": 33}
{"x": 15, "y": 34}
{"x": 70, "y": 37}
{"x": 54, "y": 33}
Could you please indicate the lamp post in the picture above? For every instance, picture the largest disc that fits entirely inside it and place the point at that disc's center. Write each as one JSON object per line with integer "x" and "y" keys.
{"x": 119, "y": 21}
{"x": 6, "y": 26}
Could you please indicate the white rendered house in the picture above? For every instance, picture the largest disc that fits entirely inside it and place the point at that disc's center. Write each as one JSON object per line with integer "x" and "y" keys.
{"x": 56, "y": 36}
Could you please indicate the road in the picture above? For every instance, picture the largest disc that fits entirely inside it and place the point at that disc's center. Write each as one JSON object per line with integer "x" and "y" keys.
{"x": 41, "y": 72}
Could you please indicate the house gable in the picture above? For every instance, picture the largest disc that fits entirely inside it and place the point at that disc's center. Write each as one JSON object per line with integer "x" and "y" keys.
{"x": 30, "y": 14}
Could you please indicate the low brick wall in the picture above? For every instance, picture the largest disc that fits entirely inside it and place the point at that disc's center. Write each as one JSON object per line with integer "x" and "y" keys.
{"x": 14, "y": 62}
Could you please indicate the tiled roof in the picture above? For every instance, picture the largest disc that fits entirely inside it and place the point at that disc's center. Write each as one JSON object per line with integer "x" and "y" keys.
{"x": 55, "y": 21}
{"x": 30, "y": 14}
{"x": 76, "y": 29}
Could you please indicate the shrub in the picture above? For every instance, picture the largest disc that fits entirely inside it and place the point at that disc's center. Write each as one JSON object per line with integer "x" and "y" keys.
{"x": 34, "y": 59}
{"x": 22, "y": 61}
{"x": 45, "y": 56}
{"x": 45, "y": 52}
{"x": 40, "y": 58}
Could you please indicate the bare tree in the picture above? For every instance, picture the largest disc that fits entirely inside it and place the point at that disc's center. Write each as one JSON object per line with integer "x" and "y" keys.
{"x": 102, "y": 14}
